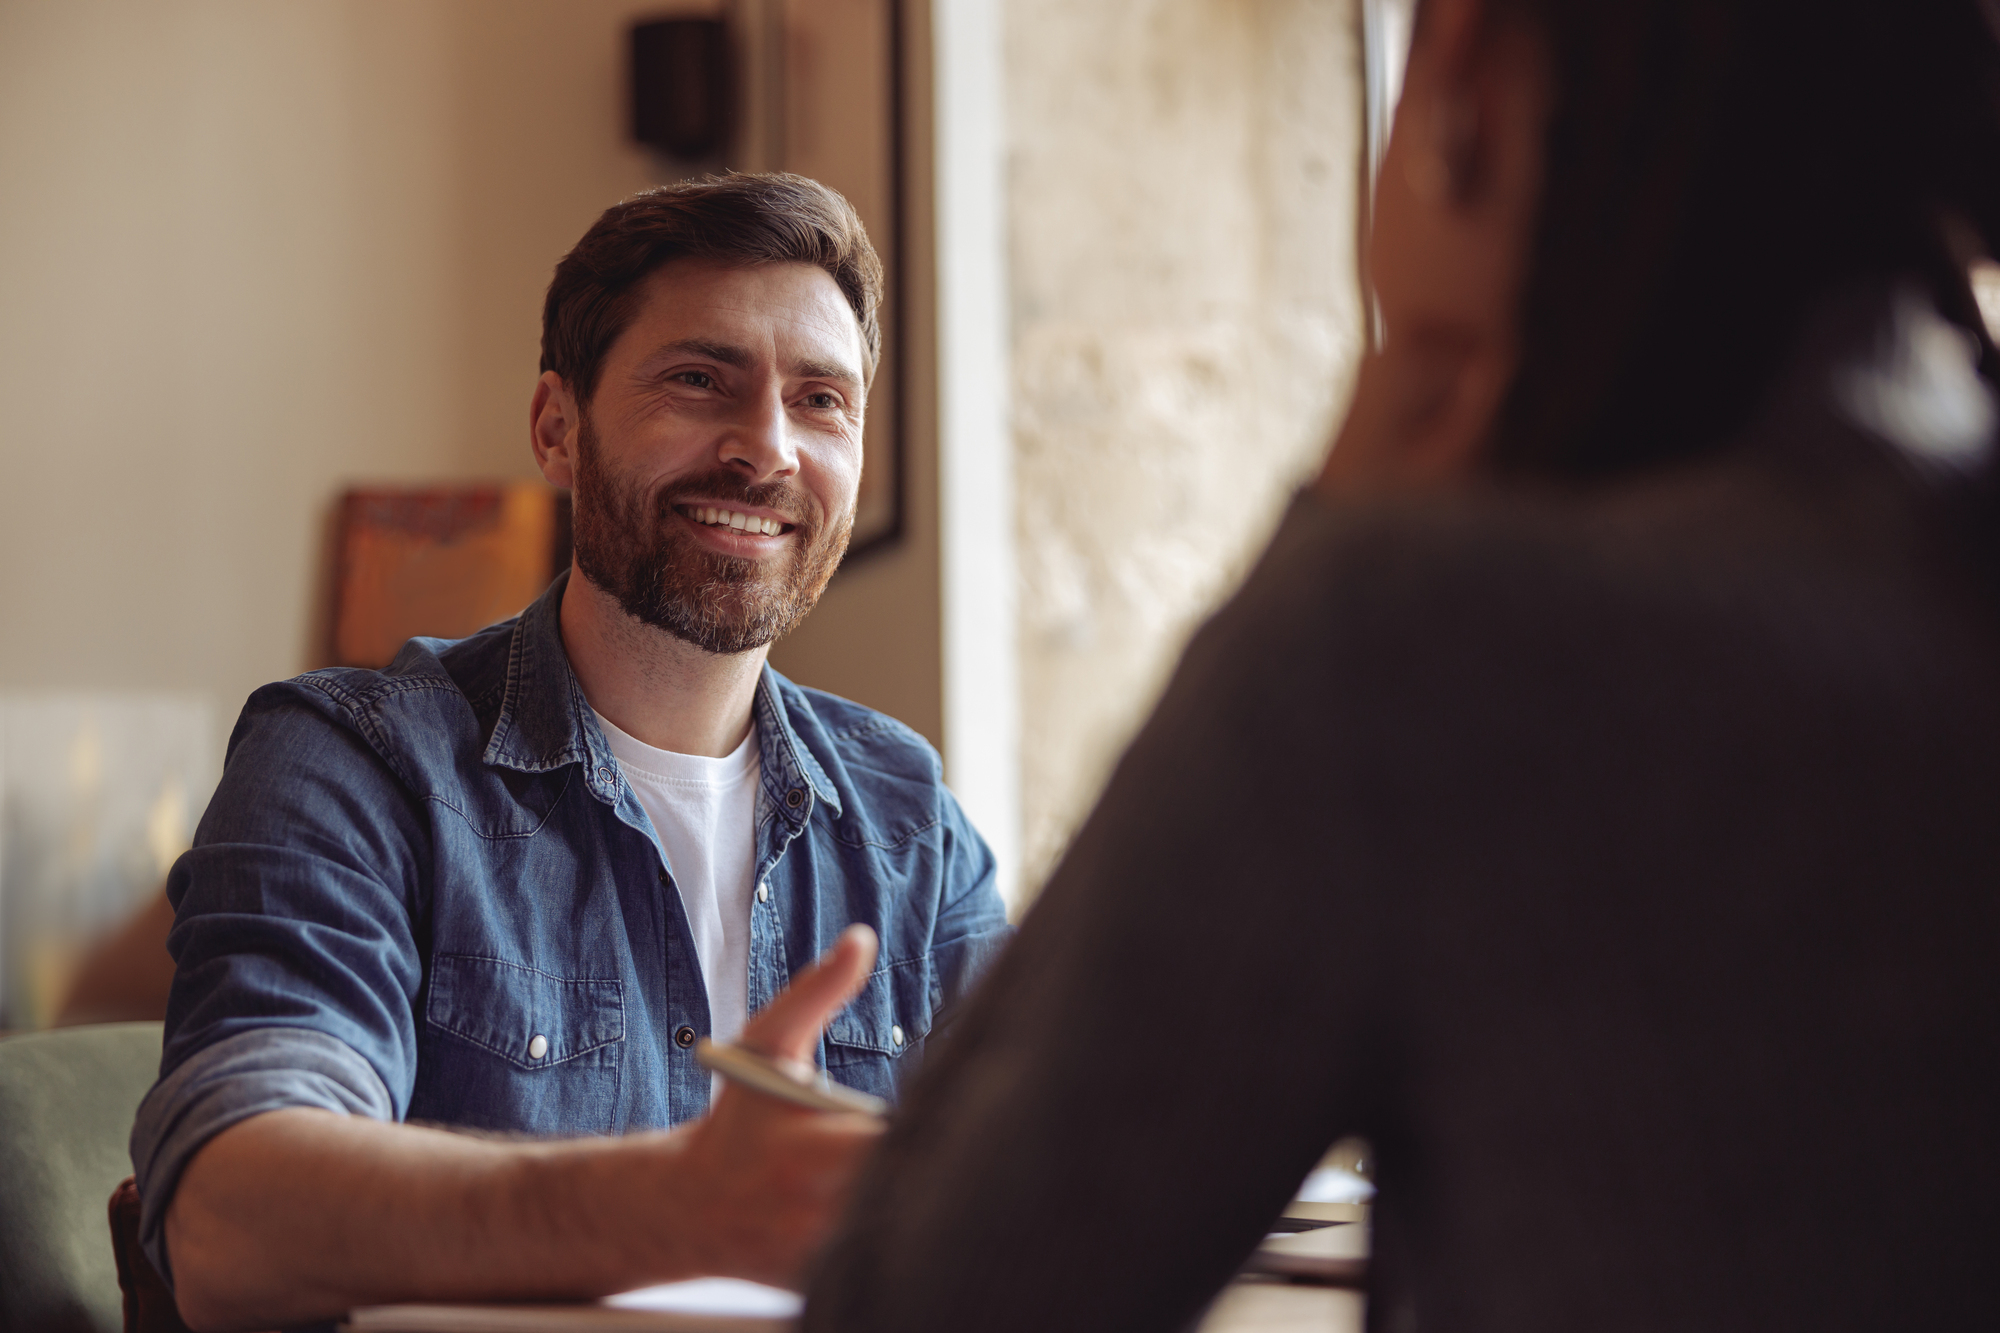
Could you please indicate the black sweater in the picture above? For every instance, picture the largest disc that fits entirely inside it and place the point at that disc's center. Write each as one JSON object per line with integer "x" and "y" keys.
{"x": 1621, "y": 862}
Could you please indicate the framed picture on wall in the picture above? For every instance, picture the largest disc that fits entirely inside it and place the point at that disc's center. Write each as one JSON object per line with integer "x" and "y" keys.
{"x": 443, "y": 561}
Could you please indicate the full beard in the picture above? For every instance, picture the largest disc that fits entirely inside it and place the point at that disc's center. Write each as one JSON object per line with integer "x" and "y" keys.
{"x": 634, "y": 547}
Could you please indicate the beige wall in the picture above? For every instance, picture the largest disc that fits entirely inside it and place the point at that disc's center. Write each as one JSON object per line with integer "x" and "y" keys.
{"x": 1186, "y": 321}
{"x": 255, "y": 251}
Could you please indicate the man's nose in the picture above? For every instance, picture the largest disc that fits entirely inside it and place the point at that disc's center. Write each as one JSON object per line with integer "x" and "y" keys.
{"x": 759, "y": 441}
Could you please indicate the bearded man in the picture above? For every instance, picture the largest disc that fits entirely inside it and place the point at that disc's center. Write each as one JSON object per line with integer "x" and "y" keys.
{"x": 509, "y": 882}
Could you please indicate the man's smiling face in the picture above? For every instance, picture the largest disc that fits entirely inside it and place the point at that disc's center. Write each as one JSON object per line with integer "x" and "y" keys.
{"x": 718, "y": 461}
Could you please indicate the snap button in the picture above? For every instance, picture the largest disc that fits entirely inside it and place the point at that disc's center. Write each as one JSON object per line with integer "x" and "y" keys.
{"x": 684, "y": 1037}
{"x": 795, "y": 798}
{"x": 538, "y": 1046}
{"x": 896, "y": 1034}
{"x": 663, "y": 874}
{"x": 763, "y": 893}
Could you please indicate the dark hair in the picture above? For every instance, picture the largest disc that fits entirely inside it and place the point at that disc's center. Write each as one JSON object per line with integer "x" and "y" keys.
{"x": 1714, "y": 167}
{"x": 740, "y": 220}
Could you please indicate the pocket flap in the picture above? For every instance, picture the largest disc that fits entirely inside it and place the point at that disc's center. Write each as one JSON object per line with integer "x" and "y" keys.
{"x": 527, "y": 1017}
{"x": 894, "y": 1003}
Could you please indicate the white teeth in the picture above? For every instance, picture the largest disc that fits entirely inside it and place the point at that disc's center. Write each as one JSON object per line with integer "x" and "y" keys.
{"x": 727, "y": 518}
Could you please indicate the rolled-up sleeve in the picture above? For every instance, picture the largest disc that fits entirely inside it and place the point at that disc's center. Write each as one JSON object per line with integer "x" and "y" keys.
{"x": 220, "y": 1085}
{"x": 297, "y": 966}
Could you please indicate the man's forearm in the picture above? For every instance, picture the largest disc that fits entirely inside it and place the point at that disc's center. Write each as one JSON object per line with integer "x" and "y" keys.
{"x": 302, "y": 1214}
{"x": 299, "y": 1214}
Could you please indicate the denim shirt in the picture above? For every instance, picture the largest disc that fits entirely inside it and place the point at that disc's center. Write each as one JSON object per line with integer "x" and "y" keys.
{"x": 408, "y": 876}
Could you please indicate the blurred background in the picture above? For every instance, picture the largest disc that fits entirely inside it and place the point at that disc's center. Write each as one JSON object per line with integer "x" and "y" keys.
{"x": 272, "y": 275}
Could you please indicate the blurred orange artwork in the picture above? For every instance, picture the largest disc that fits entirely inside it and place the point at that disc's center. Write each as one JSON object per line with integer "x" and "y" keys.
{"x": 443, "y": 561}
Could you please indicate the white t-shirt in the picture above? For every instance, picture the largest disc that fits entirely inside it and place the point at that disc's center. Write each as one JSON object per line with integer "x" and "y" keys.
{"x": 704, "y": 819}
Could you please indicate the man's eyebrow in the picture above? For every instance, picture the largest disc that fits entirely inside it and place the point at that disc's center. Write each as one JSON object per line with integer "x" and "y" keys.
{"x": 742, "y": 358}
{"x": 826, "y": 370}
{"x": 738, "y": 357}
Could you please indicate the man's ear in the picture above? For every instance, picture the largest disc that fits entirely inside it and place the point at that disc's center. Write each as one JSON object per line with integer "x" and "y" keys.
{"x": 1446, "y": 124}
{"x": 553, "y": 425}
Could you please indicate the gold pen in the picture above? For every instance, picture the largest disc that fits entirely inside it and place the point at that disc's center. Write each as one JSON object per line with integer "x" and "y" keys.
{"x": 772, "y": 1079}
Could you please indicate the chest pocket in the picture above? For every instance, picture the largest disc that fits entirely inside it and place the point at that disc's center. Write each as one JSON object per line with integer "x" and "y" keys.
{"x": 516, "y": 1049}
{"x": 873, "y": 1043}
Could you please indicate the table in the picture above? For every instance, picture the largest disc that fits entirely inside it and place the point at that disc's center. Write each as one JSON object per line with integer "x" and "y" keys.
{"x": 1253, "y": 1303}
{"x": 1247, "y": 1305}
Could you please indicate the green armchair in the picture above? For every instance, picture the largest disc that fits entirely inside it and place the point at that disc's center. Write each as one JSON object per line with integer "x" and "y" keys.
{"x": 67, "y": 1099}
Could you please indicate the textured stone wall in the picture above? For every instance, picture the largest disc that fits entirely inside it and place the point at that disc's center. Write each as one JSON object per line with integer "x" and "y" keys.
{"x": 1186, "y": 322}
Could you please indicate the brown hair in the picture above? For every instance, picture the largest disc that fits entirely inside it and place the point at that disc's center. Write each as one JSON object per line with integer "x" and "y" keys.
{"x": 1714, "y": 168}
{"x": 739, "y": 220}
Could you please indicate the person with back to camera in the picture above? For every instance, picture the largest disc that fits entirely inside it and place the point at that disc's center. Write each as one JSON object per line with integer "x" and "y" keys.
{"x": 1593, "y": 797}
{"x": 509, "y": 883}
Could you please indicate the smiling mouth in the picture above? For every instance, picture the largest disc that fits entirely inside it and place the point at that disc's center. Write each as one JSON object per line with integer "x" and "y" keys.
{"x": 715, "y": 516}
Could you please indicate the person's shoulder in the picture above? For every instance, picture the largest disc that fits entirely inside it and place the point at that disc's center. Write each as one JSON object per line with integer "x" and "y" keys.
{"x": 1696, "y": 542}
{"x": 432, "y": 687}
{"x": 889, "y": 779}
{"x": 859, "y": 737}
{"x": 1749, "y": 575}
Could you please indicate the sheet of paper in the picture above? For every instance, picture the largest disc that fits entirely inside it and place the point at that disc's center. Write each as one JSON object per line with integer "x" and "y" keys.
{"x": 1333, "y": 1184}
{"x": 714, "y": 1295}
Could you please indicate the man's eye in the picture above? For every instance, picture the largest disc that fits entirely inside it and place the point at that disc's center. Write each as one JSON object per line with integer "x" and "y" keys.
{"x": 822, "y": 400}
{"x": 696, "y": 379}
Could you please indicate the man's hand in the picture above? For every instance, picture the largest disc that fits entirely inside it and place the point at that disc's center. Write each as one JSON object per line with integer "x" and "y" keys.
{"x": 299, "y": 1215}
{"x": 770, "y": 1178}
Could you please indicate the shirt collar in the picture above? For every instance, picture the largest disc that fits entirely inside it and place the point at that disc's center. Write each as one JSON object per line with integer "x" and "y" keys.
{"x": 781, "y": 749}
{"x": 545, "y": 722}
